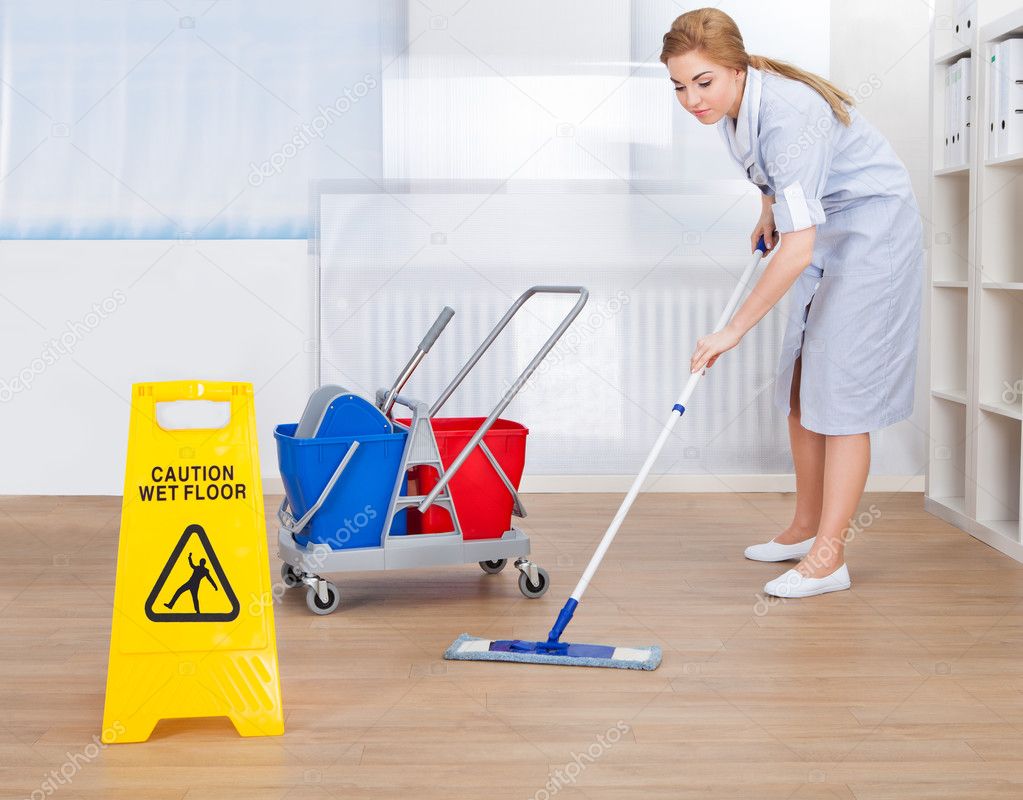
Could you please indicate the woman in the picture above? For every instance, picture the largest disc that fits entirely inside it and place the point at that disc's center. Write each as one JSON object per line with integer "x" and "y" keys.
{"x": 851, "y": 248}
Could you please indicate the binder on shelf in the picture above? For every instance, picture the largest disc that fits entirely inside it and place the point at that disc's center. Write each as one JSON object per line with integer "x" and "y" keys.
{"x": 958, "y": 114}
{"x": 1012, "y": 97}
{"x": 947, "y": 151}
{"x": 959, "y": 100}
{"x": 956, "y": 75}
{"x": 953, "y": 91}
{"x": 964, "y": 20}
{"x": 994, "y": 106}
{"x": 965, "y": 108}
{"x": 1002, "y": 89}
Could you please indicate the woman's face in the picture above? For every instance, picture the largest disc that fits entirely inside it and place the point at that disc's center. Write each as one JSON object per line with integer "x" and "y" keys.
{"x": 706, "y": 90}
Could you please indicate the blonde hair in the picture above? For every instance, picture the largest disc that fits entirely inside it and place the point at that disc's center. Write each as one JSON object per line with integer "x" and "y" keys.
{"x": 716, "y": 34}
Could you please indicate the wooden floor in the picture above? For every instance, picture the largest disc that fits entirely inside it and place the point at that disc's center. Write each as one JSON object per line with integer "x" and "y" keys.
{"x": 908, "y": 686}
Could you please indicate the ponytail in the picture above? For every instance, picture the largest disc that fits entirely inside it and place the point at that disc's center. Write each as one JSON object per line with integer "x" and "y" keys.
{"x": 837, "y": 99}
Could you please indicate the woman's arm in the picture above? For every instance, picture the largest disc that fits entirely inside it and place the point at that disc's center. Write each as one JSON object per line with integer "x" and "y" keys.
{"x": 792, "y": 258}
{"x": 789, "y": 261}
{"x": 765, "y": 225}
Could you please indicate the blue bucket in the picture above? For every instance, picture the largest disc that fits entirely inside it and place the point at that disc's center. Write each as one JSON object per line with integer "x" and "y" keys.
{"x": 354, "y": 512}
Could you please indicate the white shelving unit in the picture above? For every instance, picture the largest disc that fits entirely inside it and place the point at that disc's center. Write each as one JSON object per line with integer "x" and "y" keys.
{"x": 975, "y": 302}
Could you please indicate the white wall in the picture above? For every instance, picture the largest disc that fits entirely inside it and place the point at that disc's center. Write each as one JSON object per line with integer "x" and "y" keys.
{"x": 225, "y": 310}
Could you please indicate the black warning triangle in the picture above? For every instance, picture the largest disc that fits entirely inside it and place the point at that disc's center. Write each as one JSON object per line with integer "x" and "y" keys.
{"x": 188, "y": 594}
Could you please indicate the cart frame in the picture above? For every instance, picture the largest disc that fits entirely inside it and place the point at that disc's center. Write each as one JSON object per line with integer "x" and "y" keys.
{"x": 304, "y": 564}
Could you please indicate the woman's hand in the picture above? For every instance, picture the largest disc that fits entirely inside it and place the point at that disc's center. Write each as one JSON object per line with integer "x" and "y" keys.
{"x": 713, "y": 345}
{"x": 765, "y": 228}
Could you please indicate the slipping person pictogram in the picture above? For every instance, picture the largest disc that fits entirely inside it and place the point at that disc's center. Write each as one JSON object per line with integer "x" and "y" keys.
{"x": 192, "y": 584}
{"x": 192, "y": 542}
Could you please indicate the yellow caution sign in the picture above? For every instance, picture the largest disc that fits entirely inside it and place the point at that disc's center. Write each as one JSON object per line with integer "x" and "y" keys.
{"x": 192, "y": 633}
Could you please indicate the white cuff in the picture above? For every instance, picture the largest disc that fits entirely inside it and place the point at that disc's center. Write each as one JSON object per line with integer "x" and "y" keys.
{"x": 794, "y": 211}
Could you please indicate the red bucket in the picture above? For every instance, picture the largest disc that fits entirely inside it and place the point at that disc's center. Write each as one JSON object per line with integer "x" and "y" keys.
{"x": 482, "y": 501}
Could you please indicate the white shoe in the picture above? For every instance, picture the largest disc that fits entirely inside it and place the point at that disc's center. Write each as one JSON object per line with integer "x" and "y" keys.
{"x": 772, "y": 551}
{"x": 794, "y": 584}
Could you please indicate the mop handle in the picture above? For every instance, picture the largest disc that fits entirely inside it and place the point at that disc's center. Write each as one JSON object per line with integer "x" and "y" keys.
{"x": 676, "y": 413}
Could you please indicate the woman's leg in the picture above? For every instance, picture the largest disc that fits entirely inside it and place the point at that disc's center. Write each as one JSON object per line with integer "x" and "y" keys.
{"x": 808, "y": 456}
{"x": 846, "y": 464}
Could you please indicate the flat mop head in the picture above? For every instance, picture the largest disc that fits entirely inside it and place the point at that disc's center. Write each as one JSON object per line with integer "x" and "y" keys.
{"x": 470, "y": 648}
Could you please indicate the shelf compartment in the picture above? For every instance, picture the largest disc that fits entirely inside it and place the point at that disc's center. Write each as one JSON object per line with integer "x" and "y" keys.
{"x": 1000, "y": 212}
{"x": 1010, "y": 24}
{"x": 956, "y": 503}
{"x": 948, "y": 44}
{"x": 948, "y": 453}
{"x": 1011, "y": 160}
{"x": 951, "y": 230}
{"x": 1000, "y": 350}
{"x": 954, "y": 396}
{"x": 998, "y": 473}
{"x": 1005, "y": 409}
{"x": 948, "y": 339}
{"x": 952, "y": 53}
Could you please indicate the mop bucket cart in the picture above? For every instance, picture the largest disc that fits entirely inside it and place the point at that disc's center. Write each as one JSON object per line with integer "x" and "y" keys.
{"x": 346, "y": 466}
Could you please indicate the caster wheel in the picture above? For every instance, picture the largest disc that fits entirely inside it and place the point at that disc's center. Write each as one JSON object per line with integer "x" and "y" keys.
{"x": 312, "y": 599}
{"x": 493, "y": 567}
{"x": 531, "y": 590}
{"x": 290, "y": 576}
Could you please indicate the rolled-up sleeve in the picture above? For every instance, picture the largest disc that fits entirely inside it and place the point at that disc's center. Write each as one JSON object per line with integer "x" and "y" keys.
{"x": 796, "y": 143}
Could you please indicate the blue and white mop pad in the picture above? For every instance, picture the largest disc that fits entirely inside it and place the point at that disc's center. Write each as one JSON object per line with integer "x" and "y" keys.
{"x": 470, "y": 648}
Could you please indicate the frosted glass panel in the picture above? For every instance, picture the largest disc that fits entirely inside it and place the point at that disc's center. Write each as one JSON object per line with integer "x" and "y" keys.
{"x": 392, "y": 256}
{"x": 573, "y": 89}
{"x": 535, "y": 143}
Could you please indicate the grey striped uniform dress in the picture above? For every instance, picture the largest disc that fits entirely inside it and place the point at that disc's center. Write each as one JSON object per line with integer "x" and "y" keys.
{"x": 854, "y": 312}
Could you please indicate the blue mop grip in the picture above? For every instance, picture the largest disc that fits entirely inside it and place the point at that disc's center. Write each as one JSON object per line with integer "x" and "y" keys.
{"x": 562, "y": 621}
{"x": 552, "y": 646}
{"x": 762, "y": 245}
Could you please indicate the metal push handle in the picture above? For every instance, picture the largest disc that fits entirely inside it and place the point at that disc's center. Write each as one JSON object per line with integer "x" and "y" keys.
{"x": 457, "y": 380}
{"x": 515, "y": 387}
{"x": 424, "y": 348}
{"x": 438, "y": 327}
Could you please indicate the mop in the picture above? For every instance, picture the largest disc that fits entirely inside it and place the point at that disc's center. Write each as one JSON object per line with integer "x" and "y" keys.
{"x": 554, "y": 651}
